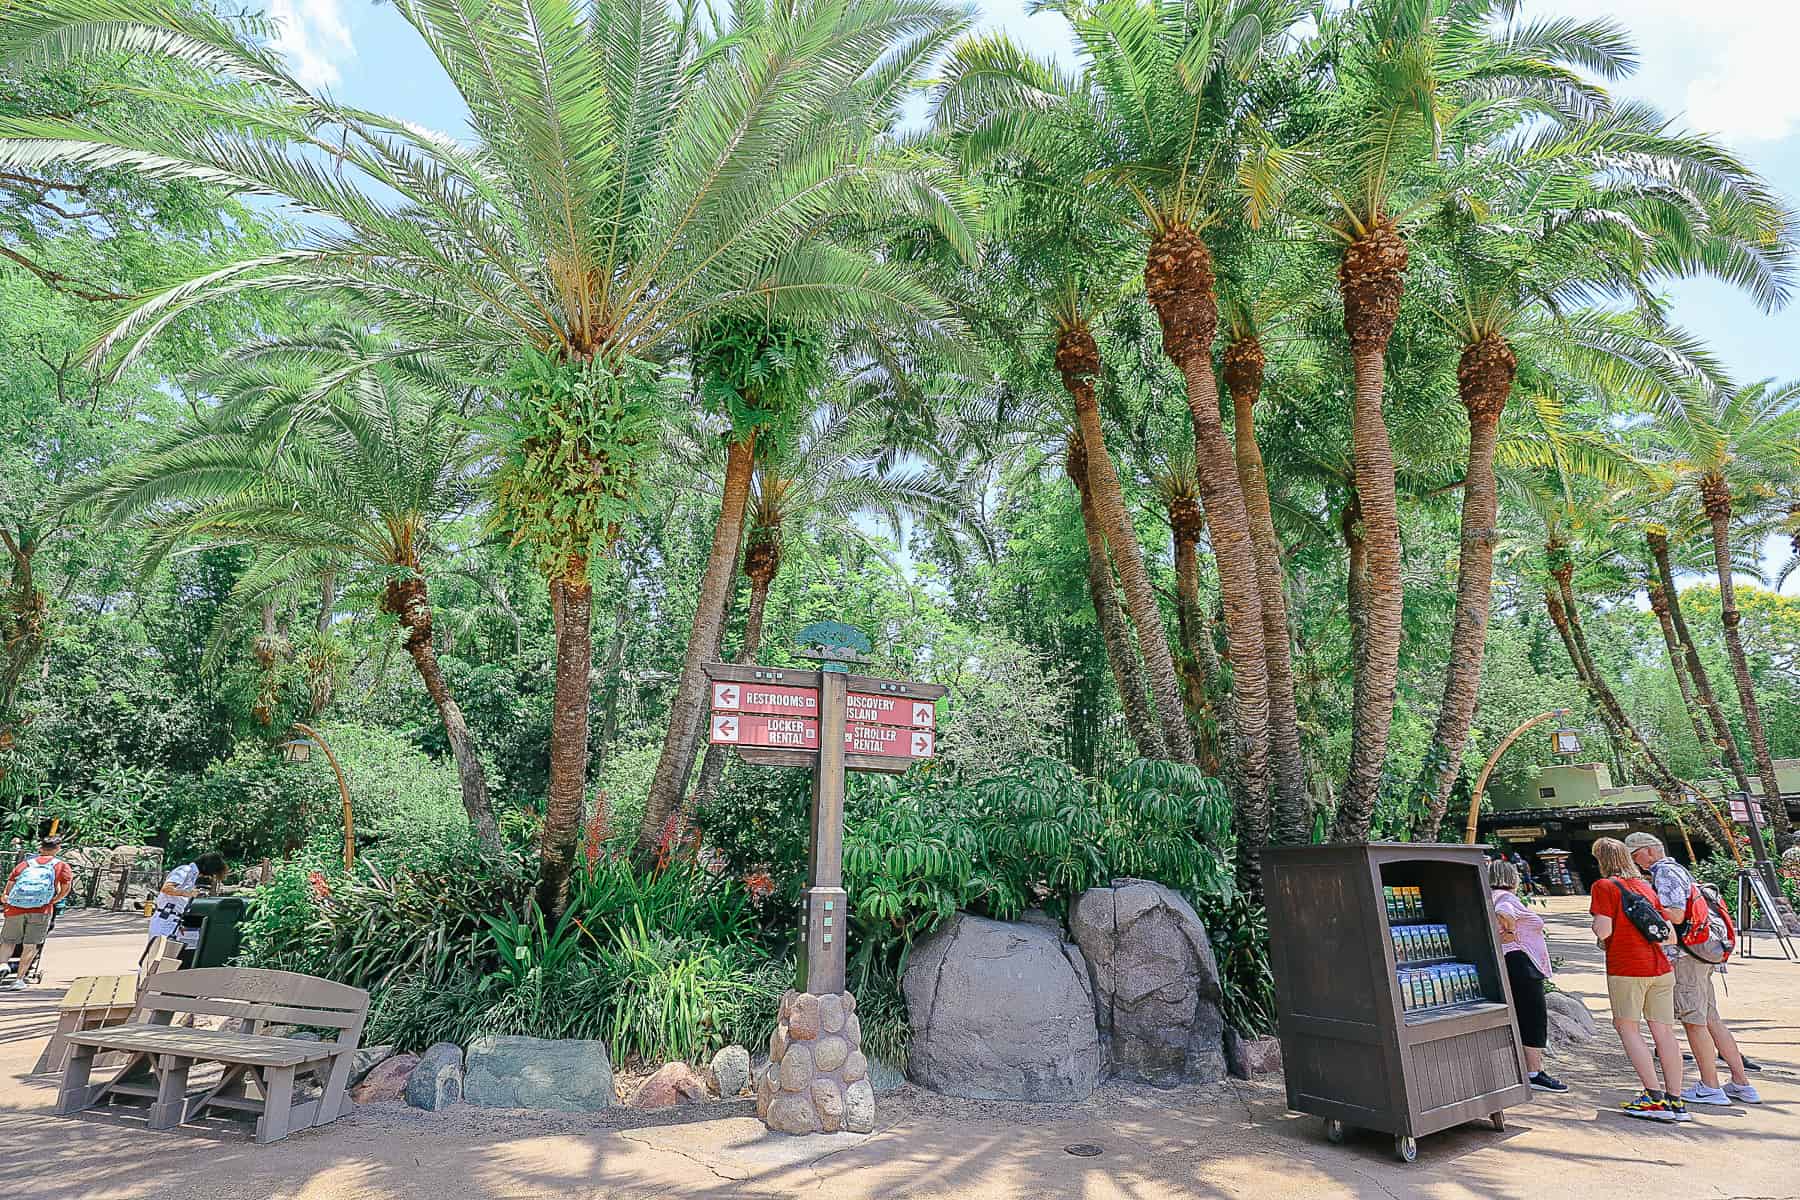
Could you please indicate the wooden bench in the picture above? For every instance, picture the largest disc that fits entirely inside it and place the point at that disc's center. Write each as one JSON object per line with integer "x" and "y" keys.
{"x": 257, "y": 1071}
{"x": 99, "y": 1001}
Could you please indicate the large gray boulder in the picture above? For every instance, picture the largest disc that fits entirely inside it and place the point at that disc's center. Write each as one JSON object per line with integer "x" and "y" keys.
{"x": 437, "y": 1082}
{"x": 1155, "y": 981}
{"x": 553, "y": 1075}
{"x": 1001, "y": 1011}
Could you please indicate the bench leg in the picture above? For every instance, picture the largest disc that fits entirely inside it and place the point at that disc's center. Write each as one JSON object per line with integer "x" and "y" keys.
{"x": 170, "y": 1108}
{"x": 56, "y": 1053}
{"x": 76, "y": 1093}
{"x": 335, "y": 1101}
{"x": 278, "y": 1104}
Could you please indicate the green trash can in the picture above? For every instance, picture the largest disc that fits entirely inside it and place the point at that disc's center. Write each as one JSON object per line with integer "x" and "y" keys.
{"x": 217, "y": 918}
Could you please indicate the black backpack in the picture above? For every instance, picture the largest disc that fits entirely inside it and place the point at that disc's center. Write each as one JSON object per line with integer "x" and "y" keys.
{"x": 1644, "y": 915}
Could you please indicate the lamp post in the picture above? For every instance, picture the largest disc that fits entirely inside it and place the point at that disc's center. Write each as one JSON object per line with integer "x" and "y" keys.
{"x": 316, "y": 739}
{"x": 1556, "y": 744}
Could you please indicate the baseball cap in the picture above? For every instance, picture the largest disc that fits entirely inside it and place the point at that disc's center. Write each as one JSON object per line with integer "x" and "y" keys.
{"x": 1643, "y": 841}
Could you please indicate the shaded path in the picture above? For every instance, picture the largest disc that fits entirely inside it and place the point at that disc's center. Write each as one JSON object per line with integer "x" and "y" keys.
{"x": 1235, "y": 1140}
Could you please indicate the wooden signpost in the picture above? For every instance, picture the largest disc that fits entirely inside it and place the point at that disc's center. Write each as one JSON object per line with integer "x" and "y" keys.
{"x": 834, "y": 722}
{"x": 816, "y": 1079}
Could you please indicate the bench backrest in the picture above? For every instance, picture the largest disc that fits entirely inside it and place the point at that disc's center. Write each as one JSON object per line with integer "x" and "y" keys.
{"x": 255, "y": 998}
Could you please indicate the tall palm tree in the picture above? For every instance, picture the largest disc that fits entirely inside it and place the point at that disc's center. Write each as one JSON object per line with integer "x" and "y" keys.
{"x": 1409, "y": 73}
{"x": 632, "y": 175}
{"x": 1128, "y": 675}
{"x": 362, "y": 473}
{"x": 1732, "y": 447}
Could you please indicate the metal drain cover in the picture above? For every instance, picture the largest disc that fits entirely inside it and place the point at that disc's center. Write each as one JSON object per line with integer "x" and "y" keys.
{"x": 1082, "y": 1149}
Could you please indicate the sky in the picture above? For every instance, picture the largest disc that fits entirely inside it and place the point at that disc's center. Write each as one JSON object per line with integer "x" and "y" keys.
{"x": 1723, "y": 66}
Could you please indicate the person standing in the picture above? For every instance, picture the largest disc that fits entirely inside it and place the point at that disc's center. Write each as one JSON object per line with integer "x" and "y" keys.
{"x": 33, "y": 890}
{"x": 1527, "y": 969}
{"x": 178, "y": 891}
{"x": 1639, "y": 980}
{"x": 1696, "y": 1006}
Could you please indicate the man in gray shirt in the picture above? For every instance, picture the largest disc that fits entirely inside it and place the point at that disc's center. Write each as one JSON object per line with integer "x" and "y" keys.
{"x": 1695, "y": 1005}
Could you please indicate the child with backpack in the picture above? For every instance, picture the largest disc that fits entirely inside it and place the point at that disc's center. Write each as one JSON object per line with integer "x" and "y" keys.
{"x": 1640, "y": 983}
{"x": 32, "y": 892}
{"x": 1704, "y": 940}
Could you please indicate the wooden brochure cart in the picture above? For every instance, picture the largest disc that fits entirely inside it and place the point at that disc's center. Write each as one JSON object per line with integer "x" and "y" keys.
{"x": 1395, "y": 1014}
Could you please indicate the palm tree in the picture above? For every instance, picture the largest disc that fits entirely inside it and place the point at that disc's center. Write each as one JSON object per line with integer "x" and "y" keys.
{"x": 1731, "y": 447}
{"x": 1409, "y": 72}
{"x": 364, "y": 472}
{"x": 1178, "y": 491}
{"x": 632, "y": 176}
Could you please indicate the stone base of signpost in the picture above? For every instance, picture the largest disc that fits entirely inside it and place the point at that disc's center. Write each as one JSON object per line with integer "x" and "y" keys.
{"x": 817, "y": 1080}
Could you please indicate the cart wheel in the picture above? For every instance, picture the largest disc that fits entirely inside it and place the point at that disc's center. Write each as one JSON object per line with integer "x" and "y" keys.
{"x": 1406, "y": 1149}
{"x": 1334, "y": 1131}
{"x": 1498, "y": 1121}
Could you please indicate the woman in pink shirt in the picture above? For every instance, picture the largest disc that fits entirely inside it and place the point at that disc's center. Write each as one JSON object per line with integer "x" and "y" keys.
{"x": 1527, "y": 968}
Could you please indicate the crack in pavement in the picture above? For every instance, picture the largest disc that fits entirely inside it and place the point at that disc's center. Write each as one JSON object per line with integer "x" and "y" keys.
{"x": 700, "y": 1162}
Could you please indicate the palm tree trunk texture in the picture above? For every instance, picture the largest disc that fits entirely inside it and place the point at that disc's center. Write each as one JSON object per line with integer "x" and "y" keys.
{"x": 1356, "y": 574}
{"x": 1140, "y": 722}
{"x": 1659, "y": 604}
{"x": 1718, "y": 508}
{"x": 712, "y": 763}
{"x": 1722, "y": 737}
{"x": 1371, "y": 278}
{"x": 1244, "y": 378}
{"x": 677, "y": 761}
{"x": 1485, "y": 379}
{"x": 1178, "y": 278}
{"x": 1078, "y": 360}
{"x": 408, "y": 600}
{"x": 571, "y": 610}
{"x": 1191, "y": 620}
{"x": 1567, "y": 619}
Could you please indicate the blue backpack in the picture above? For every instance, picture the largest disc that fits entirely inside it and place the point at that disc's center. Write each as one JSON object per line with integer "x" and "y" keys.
{"x": 35, "y": 887}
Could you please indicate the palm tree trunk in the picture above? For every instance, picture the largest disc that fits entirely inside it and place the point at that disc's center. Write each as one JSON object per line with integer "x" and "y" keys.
{"x": 1659, "y": 604}
{"x": 571, "y": 608}
{"x": 1718, "y": 508}
{"x": 1722, "y": 737}
{"x": 408, "y": 600}
{"x": 1356, "y": 574}
{"x": 1371, "y": 278}
{"x": 1078, "y": 360}
{"x": 712, "y": 763}
{"x": 1196, "y": 644}
{"x": 1140, "y": 722}
{"x": 1178, "y": 278}
{"x": 1484, "y": 379}
{"x": 1244, "y": 378}
{"x": 677, "y": 761}
{"x": 1567, "y": 619}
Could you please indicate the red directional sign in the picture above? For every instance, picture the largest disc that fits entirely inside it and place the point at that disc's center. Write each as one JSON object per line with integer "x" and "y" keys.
{"x": 765, "y": 698}
{"x": 906, "y": 712}
{"x": 757, "y": 729}
{"x": 889, "y": 741}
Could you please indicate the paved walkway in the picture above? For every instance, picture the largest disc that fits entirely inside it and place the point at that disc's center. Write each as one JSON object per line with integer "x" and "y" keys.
{"x": 1235, "y": 1140}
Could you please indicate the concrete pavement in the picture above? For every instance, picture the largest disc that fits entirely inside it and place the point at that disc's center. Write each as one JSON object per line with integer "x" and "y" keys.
{"x": 1232, "y": 1140}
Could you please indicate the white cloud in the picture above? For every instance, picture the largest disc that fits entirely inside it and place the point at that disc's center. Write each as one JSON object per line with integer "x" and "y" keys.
{"x": 1722, "y": 66}
{"x": 314, "y": 37}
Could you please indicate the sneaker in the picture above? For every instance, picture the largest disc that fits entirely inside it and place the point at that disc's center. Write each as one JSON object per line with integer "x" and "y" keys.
{"x": 1748, "y": 1065}
{"x": 1543, "y": 1081}
{"x": 1678, "y": 1110}
{"x": 1701, "y": 1094}
{"x": 1743, "y": 1094}
{"x": 1648, "y": 1108}
{"x": 17, "y": 985}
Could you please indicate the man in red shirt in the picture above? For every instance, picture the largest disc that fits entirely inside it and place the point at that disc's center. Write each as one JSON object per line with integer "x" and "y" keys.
{"x": 27, "y": 927}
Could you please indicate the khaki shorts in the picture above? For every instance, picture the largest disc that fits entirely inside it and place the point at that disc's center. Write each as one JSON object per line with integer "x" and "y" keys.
{"x": 1636, "y": 998}
{"x": 25, "y": 929}
{"x": 1695, "y": 1003}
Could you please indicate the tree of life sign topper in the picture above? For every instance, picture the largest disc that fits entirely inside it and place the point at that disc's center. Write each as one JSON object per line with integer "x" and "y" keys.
{"x": 832, "y": 721}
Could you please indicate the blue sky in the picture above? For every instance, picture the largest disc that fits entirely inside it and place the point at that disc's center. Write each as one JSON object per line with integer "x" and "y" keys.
{"x": 1725, "y": 66}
